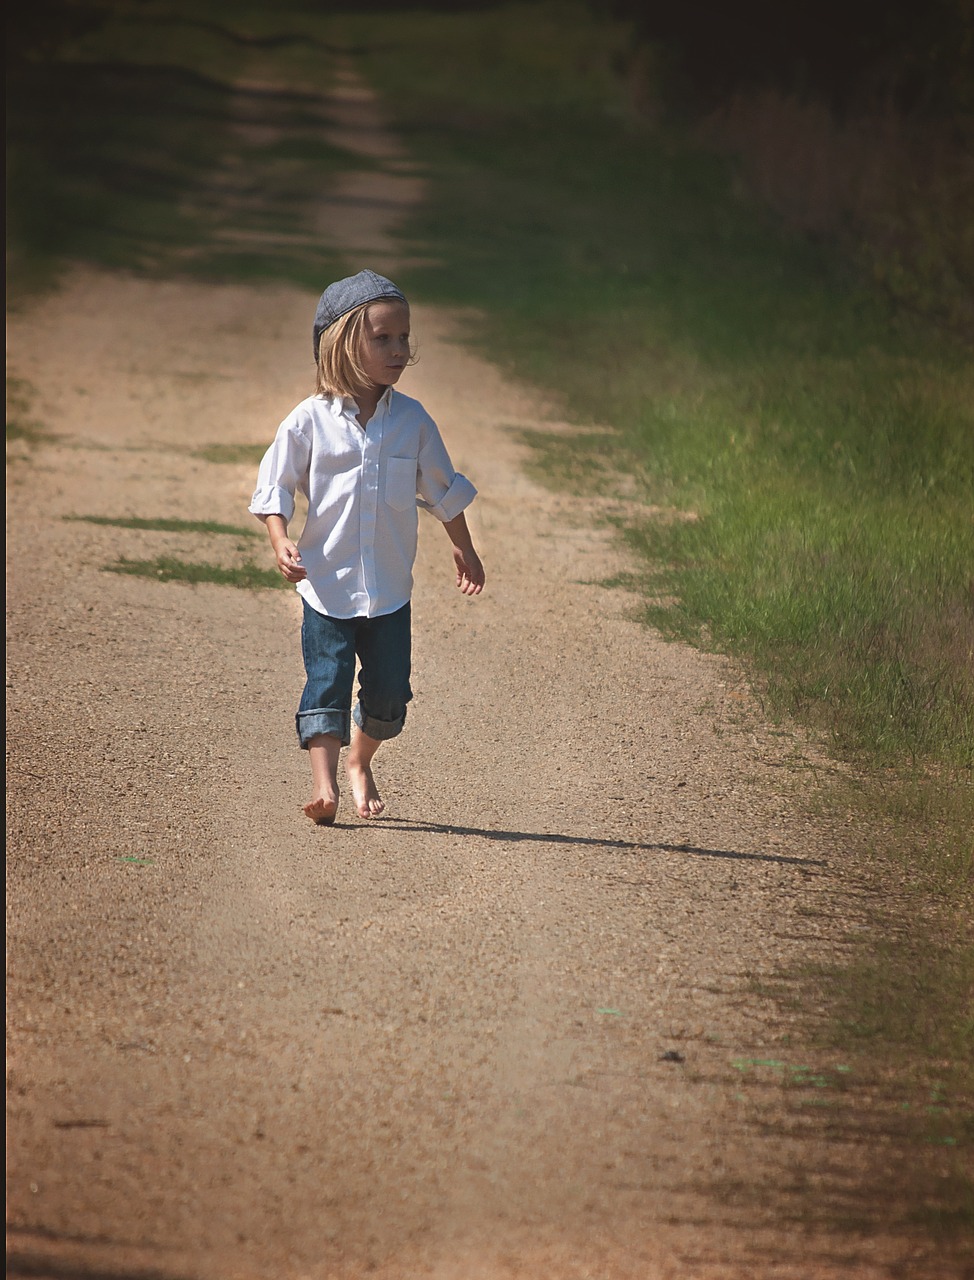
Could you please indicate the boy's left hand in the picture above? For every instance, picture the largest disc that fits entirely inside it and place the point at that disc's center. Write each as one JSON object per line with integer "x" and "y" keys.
{"x": 470, "y": 572}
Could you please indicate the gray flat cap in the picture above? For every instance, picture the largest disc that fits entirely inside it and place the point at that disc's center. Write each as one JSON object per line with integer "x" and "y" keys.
{"x": 345, "y": 295}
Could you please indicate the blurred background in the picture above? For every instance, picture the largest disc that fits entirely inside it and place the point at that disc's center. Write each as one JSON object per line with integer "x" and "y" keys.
{"x": 850, "y": 121}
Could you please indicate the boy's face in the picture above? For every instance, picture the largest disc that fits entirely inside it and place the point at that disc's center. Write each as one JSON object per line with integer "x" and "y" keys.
{"x": 385, "y": 349}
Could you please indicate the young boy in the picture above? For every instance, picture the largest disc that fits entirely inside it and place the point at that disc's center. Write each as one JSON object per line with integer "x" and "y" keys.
{"x": 366, "y": 457}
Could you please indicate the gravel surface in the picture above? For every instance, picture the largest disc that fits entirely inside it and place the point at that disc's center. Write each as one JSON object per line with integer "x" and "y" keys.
{"x": 492, "y": 1034}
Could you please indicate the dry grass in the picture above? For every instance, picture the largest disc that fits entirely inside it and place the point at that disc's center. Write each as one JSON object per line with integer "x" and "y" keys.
{"x": 898, "y": 191}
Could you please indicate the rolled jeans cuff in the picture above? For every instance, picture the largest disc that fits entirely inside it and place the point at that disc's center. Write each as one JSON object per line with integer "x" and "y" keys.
{"x": 381, "y": 730}
{"x": 337, "y": 724}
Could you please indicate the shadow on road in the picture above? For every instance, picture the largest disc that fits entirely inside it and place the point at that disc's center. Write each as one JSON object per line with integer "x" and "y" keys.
{"x": 52, "y": 1255}
{"x": 597, "y": 842}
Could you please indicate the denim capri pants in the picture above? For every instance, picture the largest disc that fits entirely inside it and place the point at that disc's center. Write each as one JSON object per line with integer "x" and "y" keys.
{"x": 330, "y": 647}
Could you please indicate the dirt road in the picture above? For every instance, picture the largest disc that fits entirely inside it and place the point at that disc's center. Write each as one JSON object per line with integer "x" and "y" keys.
{"x": 497, "y": 1033}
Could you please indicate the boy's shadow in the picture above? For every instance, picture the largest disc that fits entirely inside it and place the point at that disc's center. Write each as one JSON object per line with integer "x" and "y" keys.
{"x": 549, "y": 837}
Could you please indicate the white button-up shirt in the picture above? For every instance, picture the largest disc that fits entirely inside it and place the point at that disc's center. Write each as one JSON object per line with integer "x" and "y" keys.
{"x": 364, "y": 488}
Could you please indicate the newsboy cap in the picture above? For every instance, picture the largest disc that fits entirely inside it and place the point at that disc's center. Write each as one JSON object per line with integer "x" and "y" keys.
{"x": 345, "y": 295}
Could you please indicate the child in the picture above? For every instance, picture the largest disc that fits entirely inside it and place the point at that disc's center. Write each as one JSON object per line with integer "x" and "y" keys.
{"x": 365, "y": 456}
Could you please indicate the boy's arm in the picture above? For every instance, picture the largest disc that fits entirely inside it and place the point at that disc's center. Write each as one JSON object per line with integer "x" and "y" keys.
{"x": 470, "y": 572}
{"x": 285, "y": 551}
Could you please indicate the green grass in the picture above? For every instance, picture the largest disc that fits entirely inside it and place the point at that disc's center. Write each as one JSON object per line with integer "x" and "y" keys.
{"x": 162, "y": 525}
{"x": 852, "y": 612}
{"x": 20, "y": 424}
{"x": 249, "y": 577}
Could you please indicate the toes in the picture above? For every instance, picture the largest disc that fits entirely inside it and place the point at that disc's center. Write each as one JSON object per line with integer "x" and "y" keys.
{"x": 368, "y": 802}
{"x": 321, "y": 812}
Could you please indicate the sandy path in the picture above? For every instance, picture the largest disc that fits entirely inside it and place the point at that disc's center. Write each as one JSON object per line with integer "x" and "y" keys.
{"x": 240, "y": 1046}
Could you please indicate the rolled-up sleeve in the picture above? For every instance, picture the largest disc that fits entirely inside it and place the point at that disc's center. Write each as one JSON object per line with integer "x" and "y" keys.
{"x": 441, "y": 490}
{"x": 281, "y": 471}
{"x": 456, "y": 499}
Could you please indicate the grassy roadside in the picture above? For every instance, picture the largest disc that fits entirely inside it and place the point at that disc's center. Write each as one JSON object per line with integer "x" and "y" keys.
{"x": 824, "y": 447}
{"x": 725, "y": 369}
{"x": 716, "y": 367}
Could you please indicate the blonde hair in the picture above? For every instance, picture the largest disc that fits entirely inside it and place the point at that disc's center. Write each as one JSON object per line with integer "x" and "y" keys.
{"x": 340, "y": 371}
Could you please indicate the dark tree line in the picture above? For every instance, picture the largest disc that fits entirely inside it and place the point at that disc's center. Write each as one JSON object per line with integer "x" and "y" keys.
{"x": 918, "y": 54}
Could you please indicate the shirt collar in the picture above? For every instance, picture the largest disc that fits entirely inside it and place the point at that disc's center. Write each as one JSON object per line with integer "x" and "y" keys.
{"x": 347, "y": 404}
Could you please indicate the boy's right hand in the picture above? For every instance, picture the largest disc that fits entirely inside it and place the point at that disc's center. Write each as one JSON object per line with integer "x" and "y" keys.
{"x": 289, "y": 560}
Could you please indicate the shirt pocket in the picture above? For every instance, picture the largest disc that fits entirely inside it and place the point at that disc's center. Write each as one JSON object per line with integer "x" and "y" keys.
{"x": 400, "y": 491}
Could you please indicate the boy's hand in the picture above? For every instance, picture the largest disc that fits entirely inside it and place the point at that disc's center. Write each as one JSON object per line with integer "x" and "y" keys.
{"x": 286, "y": 552}
{"x": 470, "y": 572}
{"x": 289, "y": 560}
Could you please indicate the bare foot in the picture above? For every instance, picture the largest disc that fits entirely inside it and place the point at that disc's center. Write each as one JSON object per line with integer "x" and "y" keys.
{"x": 321, "y": 811}
{"x": 323, "y": 752}
{"x": 365, "y": 793}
